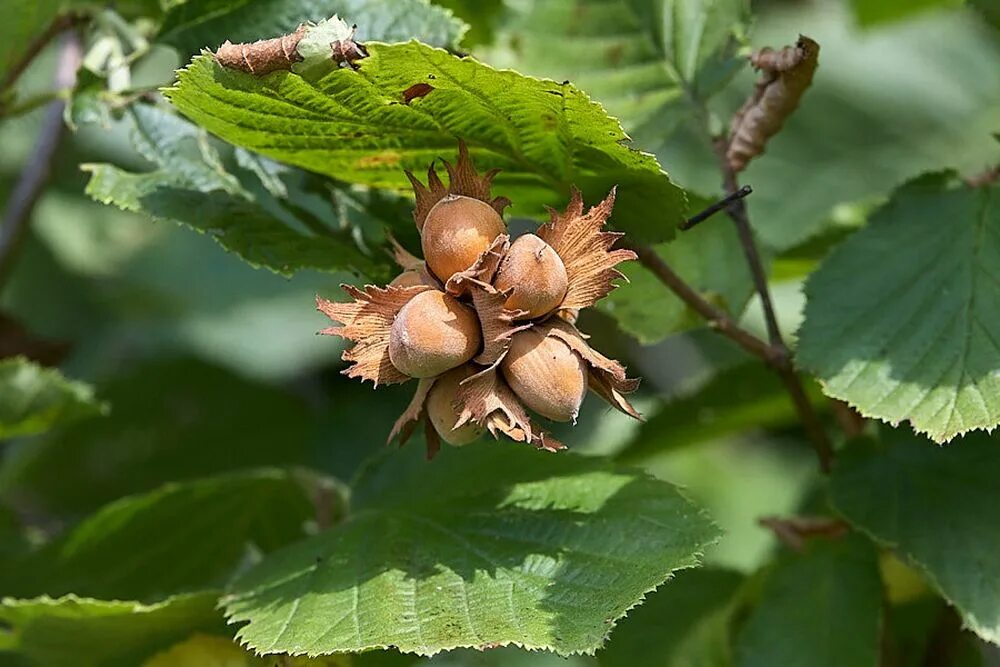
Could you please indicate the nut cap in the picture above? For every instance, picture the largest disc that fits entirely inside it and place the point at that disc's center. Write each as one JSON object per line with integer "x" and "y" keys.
{"x": 433, "y": 333}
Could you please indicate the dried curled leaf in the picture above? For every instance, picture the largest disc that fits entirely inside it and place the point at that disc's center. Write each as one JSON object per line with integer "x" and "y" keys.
{"x": 498, "y": 323}
{"x": 585, "y": 250}
{"x": 786, "y": 74}
{"x": 606, "y": 377}
{"x": 414, "y": 412}
{"x": 366, "y": 321}
{"x": 488, "y": 401}
{"x": 462, "y": 180}
{"x": 263, "y": 56}
{"x": 483, "y": 270}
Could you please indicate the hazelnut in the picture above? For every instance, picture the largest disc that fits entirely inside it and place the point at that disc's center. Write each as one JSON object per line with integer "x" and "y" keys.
{"x": 443, "y": 413}
{"x": 456, "y": 232}
{"x": 408, "y": 278}
{"x": 536, "y": 274}
{"x": 545, "y": 374}
{"x": 433, "y": 333}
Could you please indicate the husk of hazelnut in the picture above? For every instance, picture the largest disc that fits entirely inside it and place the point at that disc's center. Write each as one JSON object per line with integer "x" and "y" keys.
{"x": 485, "y": 324}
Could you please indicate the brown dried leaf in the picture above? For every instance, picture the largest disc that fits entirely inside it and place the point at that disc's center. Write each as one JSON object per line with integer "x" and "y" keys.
{"x": 496, "y": 322}
{"x": 263, "y": 56}
{"x": 462, "y": 180}
{"x": 786, "y": 76}
{"x": 488, "y": 401}
{"x": 585, "y": 250}
{"x": 367, "y": 321}
{"x": 482, "y": 271}
{"x": 606, "y": 376}
{"x": 413, "y": 413}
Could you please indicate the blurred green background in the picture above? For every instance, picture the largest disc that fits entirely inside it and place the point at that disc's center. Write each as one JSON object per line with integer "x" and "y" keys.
{"x": 197, "y": 351}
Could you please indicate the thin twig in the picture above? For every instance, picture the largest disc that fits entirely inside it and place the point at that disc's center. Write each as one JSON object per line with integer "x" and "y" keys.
{"x": 717, "y": 318}
{"x": 781, "y": 360}
{"x": 714, "y": 208}
{"x": 37, "y": 45}
{"x": 36, "y": 172}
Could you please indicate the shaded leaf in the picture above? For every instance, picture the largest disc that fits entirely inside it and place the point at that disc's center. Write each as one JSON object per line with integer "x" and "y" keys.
{"x": 172, "y": 420}
{"x": 819, "y": 608}
{"x": 193, "y": 25}
{"x": 81, "y": 632}
{"x": 36, "y": 399}
{"x": 192, "y": 187}
{"x": 935, "y": 506}
{"x": 901, "y": 319}
{"x": 352, "y": 125}
{"x": 684, "y": 623}
{"x": 645, "y": 60}
{"x": 210, "y": 651}
{"x": 182, "y": 537}
{"x": 487, "y": 545}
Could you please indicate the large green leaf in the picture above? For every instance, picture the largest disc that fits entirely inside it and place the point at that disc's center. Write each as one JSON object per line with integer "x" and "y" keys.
{"x": 647, "y": 61}
{"x": 192, "y": 187}
{"x": 902, "y": 319}
{"x": 820, "y": 608}
{"x": 193, "y": 25}
{"x": 937, "y": 507}
{"x": 709, "y": 257}
{"x": 36, "y": 399}
{"x": 173, "y": 420}
{"x": 182, "y": 537}
{"x": 353, "y": 125}
{"x": 490, "y": 544}
{"x": 81, "y": 632}
{"x": 680, "y": 625}
{"x": 749, "y": 396}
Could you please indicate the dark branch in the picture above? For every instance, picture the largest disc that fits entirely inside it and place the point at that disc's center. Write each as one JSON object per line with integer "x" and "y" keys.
{"x": 715, "y": 208}
{"x": 35, "y": 174}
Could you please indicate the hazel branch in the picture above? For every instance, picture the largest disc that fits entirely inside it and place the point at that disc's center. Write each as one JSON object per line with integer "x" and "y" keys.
{"x": 35, "y": 175}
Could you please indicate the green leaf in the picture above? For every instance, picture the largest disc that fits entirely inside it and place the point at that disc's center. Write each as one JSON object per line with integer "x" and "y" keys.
{"x": 935, "y": 506}
{"x": 480, "y": 15}
{"x": 709, "y": 257}
{"x": 877, "y": 12}
{"x": 182, "y": 537}
{"x": 36, "y": 399}
{"x": 192, "y": 187}
{"x": 819, "y": 608}
{"x": 490, "y": 544}
{"x": 683, "y": 623}
{"x": 173, "y": 420}
{"x": 354, "y": 126}
{"x": 747, "y": 397}
{"x": 645, "y": 60}
{"x": 80, "y": 632}
{"x": 191, "y": 26}
{"x": 901, "y": 319}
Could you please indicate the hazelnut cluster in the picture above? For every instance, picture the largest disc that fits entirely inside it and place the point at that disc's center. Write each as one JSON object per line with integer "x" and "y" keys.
{"x": 487, "y": 324}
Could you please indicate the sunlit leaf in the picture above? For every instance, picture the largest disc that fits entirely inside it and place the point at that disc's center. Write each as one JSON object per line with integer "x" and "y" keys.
{"x": 354, "y": 125}
{"x": 902, "y": 319}
{"x": 36, "y": 399}
{"x": 490, "y": 544}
